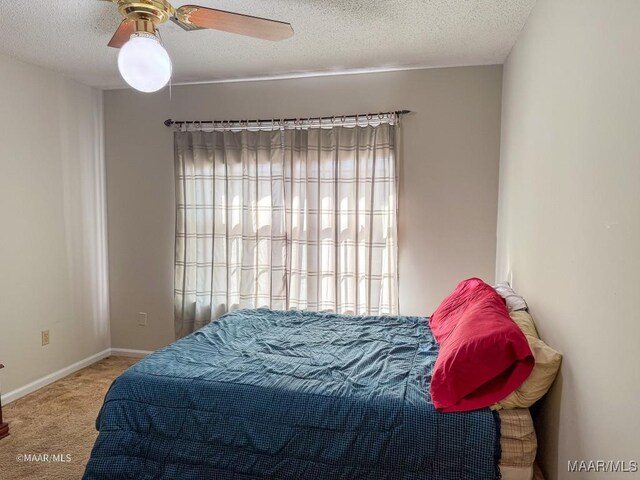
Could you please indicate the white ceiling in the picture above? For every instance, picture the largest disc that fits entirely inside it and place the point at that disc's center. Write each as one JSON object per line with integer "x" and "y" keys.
{"x": 71, "y": 36}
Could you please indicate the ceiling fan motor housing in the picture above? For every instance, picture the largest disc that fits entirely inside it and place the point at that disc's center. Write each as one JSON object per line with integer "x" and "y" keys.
{"x": 147, "y": 14}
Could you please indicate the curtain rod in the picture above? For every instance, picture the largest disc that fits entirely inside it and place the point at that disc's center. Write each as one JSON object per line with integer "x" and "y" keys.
{"x": 170, "y": 122}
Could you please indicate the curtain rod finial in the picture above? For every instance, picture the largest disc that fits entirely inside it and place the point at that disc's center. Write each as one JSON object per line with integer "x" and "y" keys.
{"x": 168, "y": 122}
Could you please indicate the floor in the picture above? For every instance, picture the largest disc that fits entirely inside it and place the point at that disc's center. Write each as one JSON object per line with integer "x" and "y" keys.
{"x": 57, "y": 421}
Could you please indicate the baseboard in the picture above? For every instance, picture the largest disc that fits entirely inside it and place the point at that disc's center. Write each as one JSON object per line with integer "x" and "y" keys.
{"x": 126, "y": 352}
{"x": 52, "y": 377}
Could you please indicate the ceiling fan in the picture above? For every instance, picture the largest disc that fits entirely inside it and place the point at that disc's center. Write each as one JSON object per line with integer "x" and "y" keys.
{"x": 144, "y": 63}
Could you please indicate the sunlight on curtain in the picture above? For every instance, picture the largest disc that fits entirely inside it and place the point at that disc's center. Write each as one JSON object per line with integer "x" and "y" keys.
{"x": 286, "y": 219}
{"x": 343, "y": 238}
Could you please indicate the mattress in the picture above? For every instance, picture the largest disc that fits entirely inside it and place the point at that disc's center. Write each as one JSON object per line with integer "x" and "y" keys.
{"x": 518, "y": 444}
{"x": 291, "y": 395}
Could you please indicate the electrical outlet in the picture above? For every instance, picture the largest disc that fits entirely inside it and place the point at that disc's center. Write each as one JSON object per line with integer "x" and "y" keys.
{"x": 142, "y": 319}
{"x": 45, "y": 337}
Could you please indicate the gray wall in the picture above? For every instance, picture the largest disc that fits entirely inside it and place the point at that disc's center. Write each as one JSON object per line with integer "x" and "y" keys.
{"x": 53, "y": 268}
{"x": 569, "y": 219}
{"x": 448, "y": 190}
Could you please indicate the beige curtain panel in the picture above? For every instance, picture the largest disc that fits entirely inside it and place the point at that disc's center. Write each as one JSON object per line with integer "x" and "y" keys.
{"x": 285, "y": 218}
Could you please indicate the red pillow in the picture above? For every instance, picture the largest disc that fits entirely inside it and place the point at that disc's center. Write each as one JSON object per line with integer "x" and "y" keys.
{"x": 484, "y": 356}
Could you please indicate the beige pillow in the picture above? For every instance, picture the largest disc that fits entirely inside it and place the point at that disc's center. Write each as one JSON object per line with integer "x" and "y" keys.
{"x": 544, "y": 372}
{"x": 525, "y": 322}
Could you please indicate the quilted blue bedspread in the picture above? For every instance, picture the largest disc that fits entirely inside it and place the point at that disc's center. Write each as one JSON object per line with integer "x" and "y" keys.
{"x": 262, "y": 394}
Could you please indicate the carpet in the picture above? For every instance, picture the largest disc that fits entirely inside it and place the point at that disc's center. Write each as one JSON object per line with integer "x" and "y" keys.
{"x": 53, "y": 430}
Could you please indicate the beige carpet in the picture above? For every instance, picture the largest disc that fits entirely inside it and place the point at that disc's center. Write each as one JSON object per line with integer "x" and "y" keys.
{"x": 58, "y": 421}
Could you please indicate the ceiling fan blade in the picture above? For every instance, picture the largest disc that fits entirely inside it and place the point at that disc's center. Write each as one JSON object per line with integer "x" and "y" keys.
{"x": 123, "y": 34}
{"x": 193, "y": 15}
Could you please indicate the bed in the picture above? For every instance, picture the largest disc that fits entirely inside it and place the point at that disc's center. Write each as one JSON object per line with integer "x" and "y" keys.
{"x": 518, "y": 444}
{"x": 291, "y": 395}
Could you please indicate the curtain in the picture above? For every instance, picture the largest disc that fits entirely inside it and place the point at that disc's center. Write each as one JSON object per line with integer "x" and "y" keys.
{"x": 286, "y": 218}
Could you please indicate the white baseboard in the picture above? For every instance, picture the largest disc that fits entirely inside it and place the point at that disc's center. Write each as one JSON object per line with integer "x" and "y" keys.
{"x": 126, "y": 352}
{"x": 52, "y": 377}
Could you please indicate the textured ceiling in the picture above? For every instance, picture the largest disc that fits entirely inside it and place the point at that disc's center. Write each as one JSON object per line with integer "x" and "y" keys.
{"x": 70, "y": 36}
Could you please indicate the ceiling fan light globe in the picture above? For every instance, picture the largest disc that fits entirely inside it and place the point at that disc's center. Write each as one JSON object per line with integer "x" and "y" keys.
{"x": 144, "y": 63}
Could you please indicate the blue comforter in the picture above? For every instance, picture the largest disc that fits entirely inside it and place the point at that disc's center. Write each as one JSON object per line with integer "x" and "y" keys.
{"x": 262, "y": 394}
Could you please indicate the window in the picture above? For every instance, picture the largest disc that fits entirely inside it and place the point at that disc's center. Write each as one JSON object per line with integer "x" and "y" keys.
{"x": 299, "y": 218}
